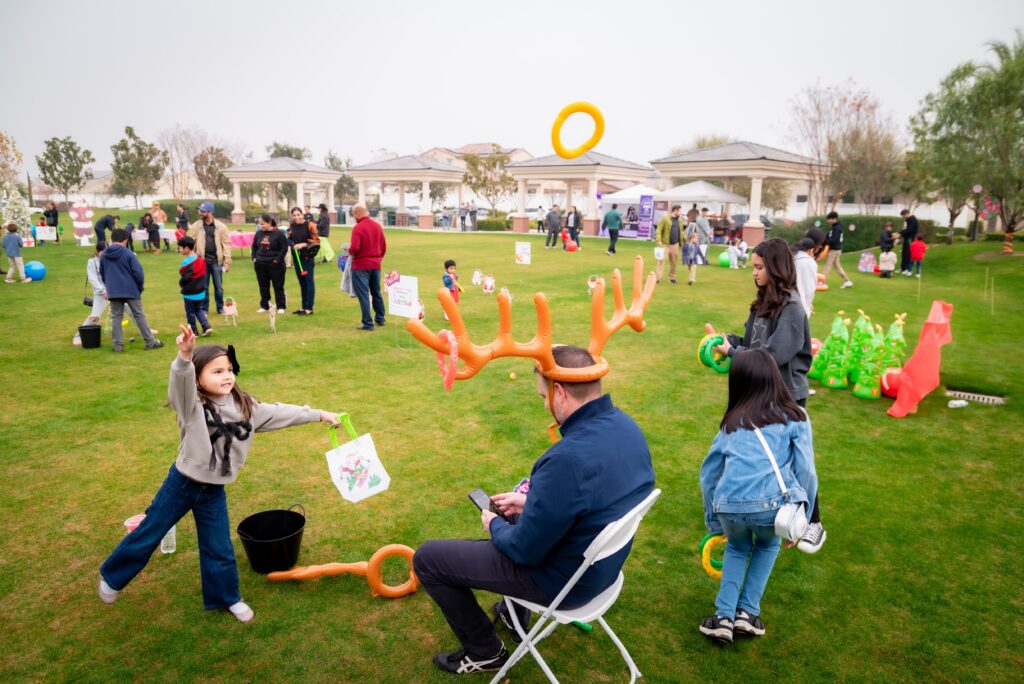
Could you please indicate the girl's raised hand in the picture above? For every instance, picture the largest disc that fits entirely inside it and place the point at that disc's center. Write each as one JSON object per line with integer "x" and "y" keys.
{"x": 186, "y": 342}
{"x": 724, "y": 347}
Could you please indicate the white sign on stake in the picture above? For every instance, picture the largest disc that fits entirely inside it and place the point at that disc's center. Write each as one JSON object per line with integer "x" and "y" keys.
{"x": 523, "y": 253}
{"x": 404, "y": 297}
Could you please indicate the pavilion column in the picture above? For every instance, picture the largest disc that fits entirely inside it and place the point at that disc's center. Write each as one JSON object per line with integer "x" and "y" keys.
{"x": 331, "y": 211}
{"x": 520, "y": 221}
{"x": 426, "y": 217}
{"x": 591, "y": 221}
{"x": 727, "y": 185}
{"x": 402, "y": 217}
{"x": 462, "y": 200}
{"x": 753, "y": 229}
{"x": 362, "y": 193}
{"x": 237, "y": 214}
{"x": 568, "y": 195}
{"x": 300, "y": 194}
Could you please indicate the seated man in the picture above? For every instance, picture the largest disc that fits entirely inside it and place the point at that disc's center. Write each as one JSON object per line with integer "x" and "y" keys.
{"x": 597, "y": 473}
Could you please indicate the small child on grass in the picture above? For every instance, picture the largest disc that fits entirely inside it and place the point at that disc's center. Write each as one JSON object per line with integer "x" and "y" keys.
{"x": 217, "y": 421}
{"x": 886, "y": 262}
{"x": 12, "y": 246}
{"x": 193, "y": 285}
{"x": 917, "y": 250}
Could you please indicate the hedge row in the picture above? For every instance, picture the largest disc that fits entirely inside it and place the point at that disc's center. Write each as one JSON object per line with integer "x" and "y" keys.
{"x": 221, "y": 208}
{"x": 497, "y": 224}
{"x": 867, "y": 232}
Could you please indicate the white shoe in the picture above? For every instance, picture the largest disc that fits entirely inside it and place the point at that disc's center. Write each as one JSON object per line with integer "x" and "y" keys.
{"x": 813, "y": 539}
{"x": 283, "y": 311}
{"x": 207, "y": 332}
{"x": 811, "y": 392}
{"x": 848, "y": 283}
{"x": 917, "y": 275}
{"x": 76, "y": 340}
{"x": 261, "y": 310}
{"x": 241, "y": 611}
{"x": 107, "y": 595}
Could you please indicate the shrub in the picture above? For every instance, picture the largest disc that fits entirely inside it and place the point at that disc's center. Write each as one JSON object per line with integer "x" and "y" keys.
{"x": 492, "y": 224}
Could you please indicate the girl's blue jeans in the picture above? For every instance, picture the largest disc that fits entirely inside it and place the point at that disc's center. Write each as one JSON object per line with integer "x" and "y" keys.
{"x": 177, "y": 496}
{"x": 749, "y": 556}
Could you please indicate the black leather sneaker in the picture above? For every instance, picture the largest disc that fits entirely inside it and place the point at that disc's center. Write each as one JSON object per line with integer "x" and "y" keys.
{"x": 460, "y": 662}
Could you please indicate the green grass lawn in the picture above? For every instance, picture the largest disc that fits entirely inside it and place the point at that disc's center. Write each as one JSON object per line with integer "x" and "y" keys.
{"x": 919, "y": 580}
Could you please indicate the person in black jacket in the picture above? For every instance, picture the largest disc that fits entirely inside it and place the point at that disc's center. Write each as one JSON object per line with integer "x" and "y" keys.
{"x": 51, "y": 216}
{"x": 908, "y": 234}
{"x": 835, "y": 249}
{"x": 269, "y": 248}
{"x": 303, "y": 238}
{"x": 323, "y": 222}
{"x": 108, "y": 222}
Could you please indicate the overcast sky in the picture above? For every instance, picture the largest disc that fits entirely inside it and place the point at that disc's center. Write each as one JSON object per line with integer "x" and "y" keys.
{"x": 407, "y": 75}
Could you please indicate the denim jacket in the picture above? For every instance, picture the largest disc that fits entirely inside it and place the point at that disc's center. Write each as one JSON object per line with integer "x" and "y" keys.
{"x": 737, "y": 477}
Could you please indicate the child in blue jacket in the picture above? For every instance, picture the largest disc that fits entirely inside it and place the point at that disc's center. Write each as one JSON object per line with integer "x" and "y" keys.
{"x": 742, "y": 493}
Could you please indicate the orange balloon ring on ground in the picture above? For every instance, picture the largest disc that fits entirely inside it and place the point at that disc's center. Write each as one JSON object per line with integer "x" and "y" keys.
{"x": 556, "y": 129}
{"x": 374, "y": 576}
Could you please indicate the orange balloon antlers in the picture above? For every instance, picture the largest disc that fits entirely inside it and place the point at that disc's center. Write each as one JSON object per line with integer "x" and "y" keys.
{"x": 475, "y": 357}
{"x": 371, "y": 570}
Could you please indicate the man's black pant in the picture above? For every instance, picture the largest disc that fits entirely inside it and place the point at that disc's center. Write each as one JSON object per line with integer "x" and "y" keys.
{"x": 614, "y": 236}
{"x": 905, "y": 255}
{"x": 450, "y": 569}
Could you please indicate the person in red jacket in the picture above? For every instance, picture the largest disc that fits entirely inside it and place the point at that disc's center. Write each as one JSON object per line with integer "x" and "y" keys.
{"x": 917, "y": 250}
{"x": 366, "y": 251}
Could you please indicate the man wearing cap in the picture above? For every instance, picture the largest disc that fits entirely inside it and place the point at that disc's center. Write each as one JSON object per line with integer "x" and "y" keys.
{"x": 597, "y": 472}
{"x": 213, "y": 245}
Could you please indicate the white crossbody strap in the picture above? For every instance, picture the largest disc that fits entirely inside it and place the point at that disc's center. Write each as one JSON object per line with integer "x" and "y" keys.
{"x": 771, "y": 456}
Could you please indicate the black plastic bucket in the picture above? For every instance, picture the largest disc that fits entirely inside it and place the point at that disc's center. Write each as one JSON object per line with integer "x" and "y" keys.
{"x": 272, "y": 538}
{"x": 90, "y": 336}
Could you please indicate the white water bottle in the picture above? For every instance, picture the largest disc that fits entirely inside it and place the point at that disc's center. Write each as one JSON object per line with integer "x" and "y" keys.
{"x": 170, "y": 541}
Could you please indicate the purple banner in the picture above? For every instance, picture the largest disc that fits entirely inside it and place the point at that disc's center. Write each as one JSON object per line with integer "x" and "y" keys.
{"x": 646, "y": 217}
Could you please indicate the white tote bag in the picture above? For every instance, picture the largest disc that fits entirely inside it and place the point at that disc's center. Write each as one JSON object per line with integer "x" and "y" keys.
{"x": 355, "y": 468}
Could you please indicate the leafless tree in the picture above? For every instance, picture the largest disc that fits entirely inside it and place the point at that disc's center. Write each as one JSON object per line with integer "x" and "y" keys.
{"x": 182, "y": 144}
{"x": 816, "y": 120}
{"x": 867, "y": 152}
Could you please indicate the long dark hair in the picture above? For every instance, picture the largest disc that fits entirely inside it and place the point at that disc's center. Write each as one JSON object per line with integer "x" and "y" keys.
{"x": 204, "y": 355}
{"x": 267, "y": 218}
{"x": 297, "y": 209}
{"x": 757, "y": 393}
{"x": 143, "y": 222}
{"x": 778, "y": 264}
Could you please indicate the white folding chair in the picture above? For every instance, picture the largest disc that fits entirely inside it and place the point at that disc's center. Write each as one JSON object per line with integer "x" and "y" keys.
{"x": 612, "y": 538}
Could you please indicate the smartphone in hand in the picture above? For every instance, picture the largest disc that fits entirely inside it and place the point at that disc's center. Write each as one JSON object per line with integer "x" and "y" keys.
{"x": 484, "y": 503}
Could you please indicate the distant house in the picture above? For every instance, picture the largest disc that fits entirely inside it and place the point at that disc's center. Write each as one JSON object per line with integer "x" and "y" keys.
{"x": 97, "y": 192}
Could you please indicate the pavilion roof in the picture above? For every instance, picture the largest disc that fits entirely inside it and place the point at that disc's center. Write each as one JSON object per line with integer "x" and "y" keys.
{"x": 736, "y": 151}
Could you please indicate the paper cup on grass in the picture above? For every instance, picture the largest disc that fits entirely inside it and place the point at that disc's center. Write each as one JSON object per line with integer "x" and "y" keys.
{"x": 134, "y": 521}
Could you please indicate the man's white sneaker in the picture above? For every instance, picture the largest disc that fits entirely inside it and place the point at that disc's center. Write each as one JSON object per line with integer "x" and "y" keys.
{"x": 848, "y": 283}
{"x": 261, "y": 310}
{"x": 813, "y": 539}
{"x": 107, "y": 595}
{"x": 241, "y": 611}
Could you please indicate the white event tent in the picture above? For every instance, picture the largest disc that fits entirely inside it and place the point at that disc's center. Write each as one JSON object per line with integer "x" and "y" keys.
{"x": 700, "y": 191}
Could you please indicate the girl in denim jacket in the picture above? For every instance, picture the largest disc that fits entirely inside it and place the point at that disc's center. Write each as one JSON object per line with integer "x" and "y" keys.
{"x": 741, "y": 492}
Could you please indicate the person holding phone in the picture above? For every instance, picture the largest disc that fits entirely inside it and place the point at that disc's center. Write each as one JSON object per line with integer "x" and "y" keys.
{"x": 597, "y": 472}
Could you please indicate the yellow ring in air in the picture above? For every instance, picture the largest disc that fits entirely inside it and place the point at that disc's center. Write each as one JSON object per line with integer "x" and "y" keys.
{"x": 569, "y": 110}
